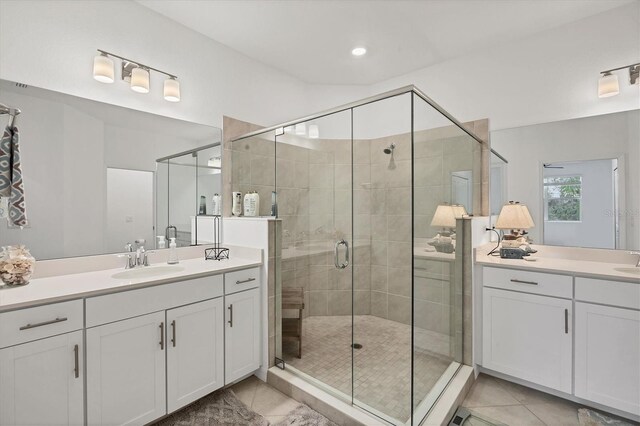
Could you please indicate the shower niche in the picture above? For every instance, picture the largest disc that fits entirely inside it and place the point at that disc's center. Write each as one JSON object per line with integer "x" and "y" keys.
{"x": 357, "y": 191}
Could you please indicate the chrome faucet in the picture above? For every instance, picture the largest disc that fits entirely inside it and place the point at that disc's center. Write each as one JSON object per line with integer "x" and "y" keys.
{"x": 131, "y": 257}
{"x": 142, "y": 255}
{"x": 637, "y": 253}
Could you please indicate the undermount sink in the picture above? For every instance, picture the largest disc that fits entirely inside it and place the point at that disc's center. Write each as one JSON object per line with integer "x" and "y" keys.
{"x": 147, "y": 272}
{"x": 635, "y": 271}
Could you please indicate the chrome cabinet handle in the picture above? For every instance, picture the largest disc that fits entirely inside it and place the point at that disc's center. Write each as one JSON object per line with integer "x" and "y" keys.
{"x": 162, "y": 336}
{"x": 40, "y": 324}
{"x": 523, "y": 282}
{"x": 346, "y": 255}
{"x": 230, "y": 315}
{"x": 173, "y": 333}
{"x": 76, "y": 360}
{"x": 248, "y": 280}
{"x": 566, "y": 321}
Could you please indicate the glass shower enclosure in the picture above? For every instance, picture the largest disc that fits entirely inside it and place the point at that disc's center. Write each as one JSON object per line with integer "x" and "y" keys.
{"x": 368, "y": 195}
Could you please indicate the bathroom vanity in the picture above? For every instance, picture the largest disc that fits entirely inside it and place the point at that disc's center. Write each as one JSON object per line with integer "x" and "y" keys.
{"x": 567, "y": 323}
{"x": 92, "y": 348}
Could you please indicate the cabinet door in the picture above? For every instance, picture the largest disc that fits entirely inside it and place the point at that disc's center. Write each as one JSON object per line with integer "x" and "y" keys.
{"x": 195, "y": 352}
{"x": 41, "y": 382}
{"x": 242, "y": 336}
{"x": 608, "y": 356}
{"x": 528, "y": 336}
{"x": 126, "y": 371}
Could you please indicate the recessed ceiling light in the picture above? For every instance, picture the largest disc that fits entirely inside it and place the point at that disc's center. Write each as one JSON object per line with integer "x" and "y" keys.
{"x": 358, "y": 51}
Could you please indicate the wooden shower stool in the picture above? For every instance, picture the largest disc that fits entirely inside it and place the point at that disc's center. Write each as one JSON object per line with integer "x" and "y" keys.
{"x": 293, "y": 298}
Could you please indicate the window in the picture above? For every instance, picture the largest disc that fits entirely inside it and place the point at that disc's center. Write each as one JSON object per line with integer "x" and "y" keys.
{"x": 562, "y": 198}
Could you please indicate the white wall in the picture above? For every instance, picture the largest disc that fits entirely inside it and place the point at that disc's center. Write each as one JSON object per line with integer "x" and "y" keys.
{"x": 548, "y": 77}
{"x": 596, "y": 227}
{"x": 593, "y": 138}
{"x": 51, "y": 44}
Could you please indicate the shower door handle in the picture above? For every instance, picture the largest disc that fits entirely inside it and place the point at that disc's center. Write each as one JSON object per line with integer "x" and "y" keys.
{"x": 346, "y": 254}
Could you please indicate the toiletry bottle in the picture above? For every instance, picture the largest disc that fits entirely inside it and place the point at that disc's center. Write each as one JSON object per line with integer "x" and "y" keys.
{"x": 236, "y": 209}
{"x": 173, "y": 252}
{"x": 161, "y": 242}
{"x": 216, "y": 205}
{"x": 251, "y": 204}
{"x": 203, "y": 205}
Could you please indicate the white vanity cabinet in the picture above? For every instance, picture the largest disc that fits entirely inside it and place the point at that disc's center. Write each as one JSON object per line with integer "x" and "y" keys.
{"x": 41, "y": 382}
{"x": 41, "y": 366}
{"x": 528, "y": 336}
{"x": 126, "y": 371}
{"x": 607, "y": 363}
{"x": 242, "y": 334}
{"x": 195, "y": 352}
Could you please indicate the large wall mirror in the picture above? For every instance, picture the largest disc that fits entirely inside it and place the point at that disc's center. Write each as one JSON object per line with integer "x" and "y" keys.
{"x": 98, "y": 176}
{"x": 580, "y": 179}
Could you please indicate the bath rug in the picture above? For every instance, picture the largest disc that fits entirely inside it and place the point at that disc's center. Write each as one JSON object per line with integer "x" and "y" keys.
{"x": 305, "y": 416}
{"x": 589, "y": 417}
{"x": 219, "y": 408}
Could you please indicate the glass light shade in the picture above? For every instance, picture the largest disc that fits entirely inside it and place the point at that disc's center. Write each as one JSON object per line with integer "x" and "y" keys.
{"x": 103, "y": 69}
{"x": 301, "y": 129}
{"x": 314, "y": 131}
{"x": 445, "y": 217}
{"x": 140, "y": 80}
{"x": 608, "y": 85}
{"x": 514, "y": 216}
{"x": 289, "y": 129}
{"x": 172, "y": 90}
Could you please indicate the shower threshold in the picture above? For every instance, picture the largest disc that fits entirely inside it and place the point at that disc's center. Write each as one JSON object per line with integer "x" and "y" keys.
{"x": 437, "y": 408}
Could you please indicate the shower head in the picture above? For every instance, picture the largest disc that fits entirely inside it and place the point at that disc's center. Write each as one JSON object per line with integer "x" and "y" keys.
{"x": 390, "y": 148}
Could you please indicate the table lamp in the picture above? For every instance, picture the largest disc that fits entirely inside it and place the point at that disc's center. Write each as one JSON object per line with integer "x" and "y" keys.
{"x": 515, "y": 218}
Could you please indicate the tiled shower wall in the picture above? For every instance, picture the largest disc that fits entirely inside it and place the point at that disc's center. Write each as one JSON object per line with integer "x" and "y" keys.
{"x": 314, "y": 216}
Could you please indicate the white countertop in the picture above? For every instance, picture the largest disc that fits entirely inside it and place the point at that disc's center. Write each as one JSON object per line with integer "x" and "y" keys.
{"x": 74, "y": 286}
{"x": 579, "y": 262}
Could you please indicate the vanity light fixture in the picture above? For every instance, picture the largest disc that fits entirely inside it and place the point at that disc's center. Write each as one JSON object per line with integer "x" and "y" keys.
{"x": 140, "y": 80}
{"x": 103, "y": 69}
{"x": 608, "y": 83}
{"x": 314, "y": 131}
{"x": 136, "y": 74}
{"x": 301, "y": 129}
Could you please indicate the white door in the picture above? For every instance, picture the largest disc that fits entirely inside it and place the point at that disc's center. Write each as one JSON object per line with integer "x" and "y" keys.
{"x": 242, "y": 336}
{"x": 41, "y": 382}
{"x": 195, "y": 352}
{"x": 528, "y": 336}
{"x": 608, "y": 356}
{"x": 126, "y": 371}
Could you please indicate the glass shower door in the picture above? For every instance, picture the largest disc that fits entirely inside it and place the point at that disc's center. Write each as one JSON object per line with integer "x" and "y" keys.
{"x": 313, "y": 185}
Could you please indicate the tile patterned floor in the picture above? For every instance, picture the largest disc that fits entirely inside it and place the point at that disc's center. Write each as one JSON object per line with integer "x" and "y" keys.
{"x": 382, "y": 367}
{"x": 264, "y": 399}
{"x": 517, "y": 405}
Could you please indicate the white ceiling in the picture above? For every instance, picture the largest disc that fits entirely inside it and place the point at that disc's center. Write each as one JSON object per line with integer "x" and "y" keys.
{"x": 312, "y": 40}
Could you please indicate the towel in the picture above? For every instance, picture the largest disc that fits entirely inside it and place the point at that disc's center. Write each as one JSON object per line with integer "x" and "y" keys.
{"x": 11, "y": 186}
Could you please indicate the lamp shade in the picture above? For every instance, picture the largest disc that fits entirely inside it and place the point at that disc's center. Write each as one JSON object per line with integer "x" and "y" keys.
{"x": 172, "y": 90}
{"x": 459, "y": 211}
{"x": 103, "y": 70}
{"x": 445, "y": 217}
{"x": 140, "y": 80}
{"x": 514, "y": 216}
{"x": 608, "y": 85}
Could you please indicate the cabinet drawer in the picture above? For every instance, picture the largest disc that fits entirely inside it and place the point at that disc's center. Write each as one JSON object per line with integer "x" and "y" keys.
{"x": 617, "y": 293}
{"x": 528, "y": 282}
{"x": 30, "y": 324}
{"x": 241, "y": 280}
{"x": 132, "y": 303}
